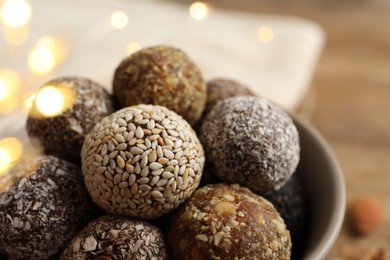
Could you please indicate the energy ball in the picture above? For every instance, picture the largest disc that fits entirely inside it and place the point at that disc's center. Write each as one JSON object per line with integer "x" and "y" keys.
{"x": 111, "y": 237}
{"x": 161, "y": 75}
{"x": 291, "y": 202}
{"x": 228, "y": 222}
{"x": 142, "y": 161}
{"x": 43, "y": 205}
{"x": 64, "y": 111}
{"x": 220, "y": 89}
{"x": 251, "y": 141}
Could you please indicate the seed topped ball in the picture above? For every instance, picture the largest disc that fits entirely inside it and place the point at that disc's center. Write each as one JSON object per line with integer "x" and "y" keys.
{"x": 64, "y": 111}
{"x": 228, "y": 222}
{"x": 142, "y": 161}
{"x": 111, "y": 237}
{"x": 43, "y": 205}
{"x": 161, "y": 75}
{"x": 251, "y": 141}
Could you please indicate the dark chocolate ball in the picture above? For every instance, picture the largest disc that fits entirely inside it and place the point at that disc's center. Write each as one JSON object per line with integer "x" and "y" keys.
{"x": 61, "y": 128}
{"x": 291, "y": 202}
{"x": 43, "y": 205}
{"x": 251, "y": 141}
{"x": 112, "y": 237}
{"x": 161, "y": 75}
{"x": 228, "y": 222}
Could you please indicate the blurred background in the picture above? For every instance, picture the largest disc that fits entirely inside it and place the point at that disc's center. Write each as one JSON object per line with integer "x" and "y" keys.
{"x": 335, "y": 53}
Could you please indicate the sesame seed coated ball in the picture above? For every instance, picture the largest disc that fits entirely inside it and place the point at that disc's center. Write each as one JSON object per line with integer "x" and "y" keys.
{"x": 228, "y": 222}
{"x": 251, "y": 141}
{"x": 142, "y": 161}
{"x": 161, "y": 75}
{"x": 61, "y": 130}
{"x": 43, "y": 205}
{"x": 112, "y": 237}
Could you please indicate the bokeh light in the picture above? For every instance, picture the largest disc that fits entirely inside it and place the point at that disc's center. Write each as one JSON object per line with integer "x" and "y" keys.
{"x": 50, "y": 101}
{"x": 132, "y": 47}
{"x": 199, "y": 10}
{"x": 119, "y": 20}
{"x": 41, "y": 59}
{"x": 265, "y": 34}
{"x": 11, "y": 150}
{"x": 16, "y": 13}
{"x": 47, "y": 54}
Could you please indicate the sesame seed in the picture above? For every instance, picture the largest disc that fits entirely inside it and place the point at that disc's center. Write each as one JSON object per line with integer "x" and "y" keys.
{"x": 157, "y": 194}
{"x": 167, "y": 175}
{"x": 139, "y": 133}
{"x": 154, "y": 180}
{"x": 136, "y": 150}
{"x": 121, "y": 146}
{"x": 120, "y": 162}
{"x": 143, "y": 180}
{"x": 168, "y": 154}
{"x": 132, "y": 179}
{"x": 155, "y": 166}
{"x": 120, "y": 138}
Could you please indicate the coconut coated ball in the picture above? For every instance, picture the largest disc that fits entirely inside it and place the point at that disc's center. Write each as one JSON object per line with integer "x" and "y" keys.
{"x": 61, "y": 127}
{"x": 228, "y": 222}
{"x": 142, "y": 161}
{"x": 43, "y": 205}
{"x": 251, "y": 141}
{"x": 111, "y": 237}
{"x": 161, "y": 75}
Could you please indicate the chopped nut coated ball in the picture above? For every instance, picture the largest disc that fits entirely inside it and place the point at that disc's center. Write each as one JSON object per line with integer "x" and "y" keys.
{"x": 161, "y": 75}
{"x": 228, "y": 222}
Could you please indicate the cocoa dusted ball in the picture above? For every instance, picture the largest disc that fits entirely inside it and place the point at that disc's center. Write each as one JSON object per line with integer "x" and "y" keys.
{"x": 228, "y": 222}
{"x": 161, "y": 75}
{"x": 251, "y": 141}
{"x": 142, "y": 161}
{"x": 43, "y": 205}
{"x": 112, "y": 237}
{"x": 64, "y": 111}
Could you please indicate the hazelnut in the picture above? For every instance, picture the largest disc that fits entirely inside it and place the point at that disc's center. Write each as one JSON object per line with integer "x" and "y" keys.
{"x": 365, "y": 215}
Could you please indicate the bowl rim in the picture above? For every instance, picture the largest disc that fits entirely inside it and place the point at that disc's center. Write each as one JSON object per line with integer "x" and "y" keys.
{"x": 321, "y": 250}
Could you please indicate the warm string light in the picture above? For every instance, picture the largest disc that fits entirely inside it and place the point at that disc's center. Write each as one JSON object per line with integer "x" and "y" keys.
{"x": 265, "y": 34}
{"x": 199, "y": 10}
{"x": 11, "y": 150}
{"x": 46, "y": 54}
{"x": 16, "y": 13}
{"x": 119, "y": 20}
{"x": 132, "y": 47}
{"x": 51, "y": 101}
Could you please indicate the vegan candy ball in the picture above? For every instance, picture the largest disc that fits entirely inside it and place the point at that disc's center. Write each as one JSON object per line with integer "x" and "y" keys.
{"x": 251, "y": 141}
{"x": 291, "y": 201}
{"x": 43, "y": 205}
{"x": 142, "y": 161}
{"x": 228, "y": 222}
{"x": 161, "y": 75}
{"x": 222, "y": 88}
{"x": 111, "y": 237}
{"x": 64, "y": 111}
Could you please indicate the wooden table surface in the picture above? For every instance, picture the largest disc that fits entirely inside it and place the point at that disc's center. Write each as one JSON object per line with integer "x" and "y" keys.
{"x": 352, "y": 108}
